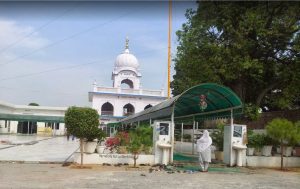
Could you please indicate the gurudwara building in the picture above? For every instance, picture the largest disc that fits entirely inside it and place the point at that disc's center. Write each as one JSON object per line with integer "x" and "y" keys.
{"x": 126, "y": 96}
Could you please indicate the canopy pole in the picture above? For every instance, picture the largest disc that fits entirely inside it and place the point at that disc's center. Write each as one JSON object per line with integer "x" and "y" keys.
{"x": 172, "y": 134}
{"x": 181, "y": 137}
{"x": 193, "y": 137}
{"x": 231, "y": 132}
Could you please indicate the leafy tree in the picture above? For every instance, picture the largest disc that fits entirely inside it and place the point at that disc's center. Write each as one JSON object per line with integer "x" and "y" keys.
{"x": 82, "y": 123}
{"x": 140, "y": 139}
{"x": 134, "y": 146}
{"x": 33, "y": 104}
{"x": 284, "y": 132}
{"x": 251, "y": 47}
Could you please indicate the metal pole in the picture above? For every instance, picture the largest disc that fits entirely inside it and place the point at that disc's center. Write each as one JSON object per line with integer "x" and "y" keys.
{"x": 28, "y": 127}
{"x": 169, "y": 45}
{"x": 193, "y": 137}
{"x": 231, "y": 135}
{"x": 172, "y": 134}
{"x": 181, "y": 137}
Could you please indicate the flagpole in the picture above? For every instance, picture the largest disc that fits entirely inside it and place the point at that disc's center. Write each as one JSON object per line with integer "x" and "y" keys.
{"x": 169, "y": 46}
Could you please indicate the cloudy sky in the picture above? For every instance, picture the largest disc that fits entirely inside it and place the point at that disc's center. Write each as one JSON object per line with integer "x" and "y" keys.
{"x": 50, "y": 53}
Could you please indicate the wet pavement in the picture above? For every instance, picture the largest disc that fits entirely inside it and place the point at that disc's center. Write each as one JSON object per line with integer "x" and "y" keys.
{"x": 26, "y": 148}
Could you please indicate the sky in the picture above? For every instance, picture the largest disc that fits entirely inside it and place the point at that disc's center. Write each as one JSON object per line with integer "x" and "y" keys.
{"x": 51, "y": 53}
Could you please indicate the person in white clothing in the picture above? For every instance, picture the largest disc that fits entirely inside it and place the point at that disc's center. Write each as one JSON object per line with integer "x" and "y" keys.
{"x": 203, "y": 148}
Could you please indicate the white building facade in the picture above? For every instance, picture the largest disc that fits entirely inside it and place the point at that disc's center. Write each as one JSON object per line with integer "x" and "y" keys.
{"x": 23, "y": 119}
{"x": 126, "y": 96}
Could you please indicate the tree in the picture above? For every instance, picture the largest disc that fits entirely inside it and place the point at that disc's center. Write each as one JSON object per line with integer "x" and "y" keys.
{"x": 284, "y": 132}
{"x": 33, "y": 104}
{"x": 251, "y": 47}
{"x": 82, "y": 123}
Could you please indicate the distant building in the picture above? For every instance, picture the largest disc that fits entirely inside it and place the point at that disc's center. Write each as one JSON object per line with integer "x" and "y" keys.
{"x": 127, "y": 96}
{"x": 23, "y": 119}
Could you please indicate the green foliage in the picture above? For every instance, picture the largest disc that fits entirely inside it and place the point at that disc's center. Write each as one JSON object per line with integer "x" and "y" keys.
{"x": 33, "y": 104}
{"x": 255, "y": 140}
{"x": 251, "y": 111}
{"x": 283, "y": 131}
{"x": 251, "y": 47}
{"x": 218, "y": 136}
{"x": 82, "y": 122}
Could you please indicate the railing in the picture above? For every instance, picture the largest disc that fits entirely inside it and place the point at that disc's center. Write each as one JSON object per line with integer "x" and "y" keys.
{"x": 130, "y": 91}
{"x": 107, "y": 113}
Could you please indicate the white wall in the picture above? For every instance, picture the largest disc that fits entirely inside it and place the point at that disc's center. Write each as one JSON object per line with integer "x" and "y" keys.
{"x": 119, "y": 102}
{"x": 113, "y": 158}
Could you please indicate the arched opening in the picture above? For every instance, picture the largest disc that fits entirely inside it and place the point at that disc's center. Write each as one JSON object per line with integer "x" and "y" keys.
{"x": 126, "y": 84}
{"x": 107, "y": 109}
{"x": 128, "y": 109}
{"x": 148, "y": 106}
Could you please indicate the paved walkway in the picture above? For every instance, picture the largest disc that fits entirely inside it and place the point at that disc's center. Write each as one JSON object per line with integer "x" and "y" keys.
{"x": 36, "y": 149}
{"x": 55, "y": 176}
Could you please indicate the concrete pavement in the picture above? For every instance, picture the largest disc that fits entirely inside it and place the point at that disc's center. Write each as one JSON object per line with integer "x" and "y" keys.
{"x": 36, "y": 149}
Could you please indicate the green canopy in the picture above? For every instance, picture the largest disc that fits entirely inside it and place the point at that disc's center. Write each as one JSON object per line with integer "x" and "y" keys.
{"x": 32, "y": 118}
{"x": 204, "y": 101}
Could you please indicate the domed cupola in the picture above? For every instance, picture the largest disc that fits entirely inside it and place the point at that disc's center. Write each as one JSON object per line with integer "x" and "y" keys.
{"x": 126, "y": 70}
{"x": 126, "y": 60}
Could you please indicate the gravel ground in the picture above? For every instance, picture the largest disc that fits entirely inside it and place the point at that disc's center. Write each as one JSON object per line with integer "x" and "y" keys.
{"x": 14, "y": 175}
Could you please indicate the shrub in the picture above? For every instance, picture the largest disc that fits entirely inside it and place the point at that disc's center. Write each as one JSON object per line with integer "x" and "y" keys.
{"x": 82, "y": 123}
{"x": 284, "y": 132}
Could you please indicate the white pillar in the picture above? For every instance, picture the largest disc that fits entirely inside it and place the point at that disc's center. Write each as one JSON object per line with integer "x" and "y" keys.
{"x": 181, "y": 137}
{"x": 231, "y": 135}
{"x": 193, "y": 137}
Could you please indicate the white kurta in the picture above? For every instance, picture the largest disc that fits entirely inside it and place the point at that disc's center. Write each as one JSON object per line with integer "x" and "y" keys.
{"x": 205, "y": 155}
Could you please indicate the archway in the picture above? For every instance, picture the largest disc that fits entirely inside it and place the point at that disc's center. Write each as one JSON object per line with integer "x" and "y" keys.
{"x": 107, "y": 109}
{"x": 126, "y": 84}
{"x": 128, "y": 109}
{"x": 148, "y": 106}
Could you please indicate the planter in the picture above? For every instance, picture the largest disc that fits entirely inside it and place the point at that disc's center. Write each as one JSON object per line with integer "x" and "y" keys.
{"x": 219, "y": 155}
{"x": 250, "y": 151}
{"x": 89, "y": 147}
{"x": 287, "y": 151}
{"x": 266, "y": 150}
{"x": 101, "y": 149}
{"x": 257, "y": 152}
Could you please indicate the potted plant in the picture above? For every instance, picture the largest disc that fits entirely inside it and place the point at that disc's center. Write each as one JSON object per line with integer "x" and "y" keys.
{"x": 257, "y": 142}
{"x": 123, "y": 138}
{"x": 80, "y": 122}
{"x": 218, "y": 140}
{"x": 251, "y": 143}
{"x": 112, "y": 144}
{"x": 267, "y": 145}
{"x": 283, "y": 130}
{"x": 100, "y": 146}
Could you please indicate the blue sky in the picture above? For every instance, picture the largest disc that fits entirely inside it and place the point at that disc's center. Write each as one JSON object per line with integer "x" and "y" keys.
{"x": 51, "y": 53}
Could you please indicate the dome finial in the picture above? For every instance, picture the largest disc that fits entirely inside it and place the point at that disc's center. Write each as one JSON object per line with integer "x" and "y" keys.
{"x": 126, "y": 44}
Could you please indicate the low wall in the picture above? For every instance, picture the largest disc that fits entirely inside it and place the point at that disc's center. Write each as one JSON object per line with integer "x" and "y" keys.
{"x": 113, "y": 158}
{"x": 274, "y": 161}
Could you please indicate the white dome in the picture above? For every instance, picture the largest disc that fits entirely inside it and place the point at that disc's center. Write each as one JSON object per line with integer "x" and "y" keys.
{"x": 126, "y": 60}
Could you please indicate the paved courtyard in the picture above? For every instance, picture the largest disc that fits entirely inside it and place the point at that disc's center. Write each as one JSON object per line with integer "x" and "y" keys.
{"x": 55, "y": 176}
{"x": 36, "y": 148}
